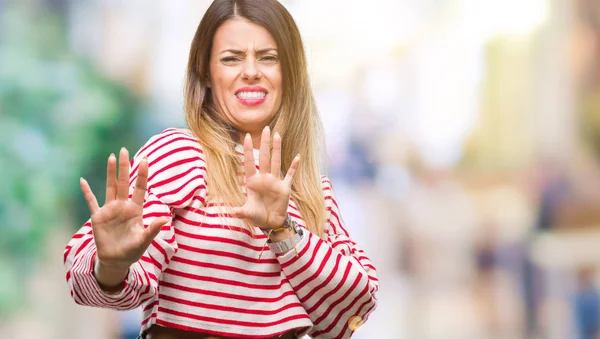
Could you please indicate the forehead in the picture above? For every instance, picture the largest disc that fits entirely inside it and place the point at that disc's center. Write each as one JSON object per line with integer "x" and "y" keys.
{"x": 242, "y": 34}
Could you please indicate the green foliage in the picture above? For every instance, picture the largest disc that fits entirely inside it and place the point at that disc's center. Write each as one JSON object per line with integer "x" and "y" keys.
{"x": 60, "y": 118}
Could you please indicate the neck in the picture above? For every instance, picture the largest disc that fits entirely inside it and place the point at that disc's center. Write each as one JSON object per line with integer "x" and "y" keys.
{"x": 256, "y": 136}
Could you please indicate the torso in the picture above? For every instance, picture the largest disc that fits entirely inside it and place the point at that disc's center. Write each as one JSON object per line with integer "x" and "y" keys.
{"x": 217, "y": 281}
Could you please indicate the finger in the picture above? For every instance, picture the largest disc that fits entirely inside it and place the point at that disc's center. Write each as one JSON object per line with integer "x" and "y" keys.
{"x": 289, "y": 177}
{"x": 265, "y": 151}
{"x": 249, "y": 167}
{"x": 111, "y": 179}
{"x": 89, "y": 196}
{"x": 276, "y": 156}
{"x": 123, "y": 181}
{"x": 139, "y": 192}
{"x": 153, "y": 229}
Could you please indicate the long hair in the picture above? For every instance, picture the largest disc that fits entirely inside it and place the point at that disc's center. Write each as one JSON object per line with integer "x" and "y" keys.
{"x": 297, "y": 120}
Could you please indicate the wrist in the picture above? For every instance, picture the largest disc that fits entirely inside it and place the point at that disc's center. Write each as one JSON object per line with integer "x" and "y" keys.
{"x": 280, "y": 230}
{"x": 284, "y": 238}
{"x": 288, "y": 243}
{"x": 281, "y": 235}
{"x": 110, "y": 279}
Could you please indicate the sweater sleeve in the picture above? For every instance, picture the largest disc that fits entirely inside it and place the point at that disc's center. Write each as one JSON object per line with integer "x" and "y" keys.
{"x": 333, "y": 278}
{"x": 176, "y": 175}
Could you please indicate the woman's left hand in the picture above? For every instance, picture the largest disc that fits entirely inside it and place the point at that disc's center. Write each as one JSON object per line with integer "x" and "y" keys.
{"x": 267, "y": 195}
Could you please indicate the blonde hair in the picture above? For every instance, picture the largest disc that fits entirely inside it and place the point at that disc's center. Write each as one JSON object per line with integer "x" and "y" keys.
{"x": 297, "y": 120}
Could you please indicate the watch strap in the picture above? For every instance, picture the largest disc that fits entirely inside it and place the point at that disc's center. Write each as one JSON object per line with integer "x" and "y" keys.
{"x": 287, "y": 244}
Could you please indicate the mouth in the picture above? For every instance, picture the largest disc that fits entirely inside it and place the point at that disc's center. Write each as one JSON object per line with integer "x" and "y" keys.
{"x": 251, "y": 96}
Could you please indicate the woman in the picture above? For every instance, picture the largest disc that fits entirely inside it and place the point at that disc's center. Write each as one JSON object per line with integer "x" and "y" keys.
{"x": 202, "y": 229}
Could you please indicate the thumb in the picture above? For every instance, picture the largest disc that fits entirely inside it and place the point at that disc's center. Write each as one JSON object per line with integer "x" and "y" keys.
{"x": 154, "y": 228}
{"x": 240, "y": 212}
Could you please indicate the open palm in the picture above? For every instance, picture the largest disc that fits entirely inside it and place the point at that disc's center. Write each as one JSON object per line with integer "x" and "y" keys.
{"x": 267, "y": 195}
{"x": 118, "y": 228}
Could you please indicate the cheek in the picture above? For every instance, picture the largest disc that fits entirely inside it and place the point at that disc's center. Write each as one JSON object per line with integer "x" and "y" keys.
{"x": 222, "y": 78}
{"x": 277, "y": 77}
{"x": 220, "y": 88}
{"x": 276, "y": 81}
{"x": 279, "y": 87}
{"x": 278, "y": 84}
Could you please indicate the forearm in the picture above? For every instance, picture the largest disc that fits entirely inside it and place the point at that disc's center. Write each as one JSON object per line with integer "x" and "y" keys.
{"x": 332, "y": 286}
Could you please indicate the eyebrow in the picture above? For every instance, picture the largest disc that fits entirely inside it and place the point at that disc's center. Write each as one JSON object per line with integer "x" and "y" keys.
{"x": 238, "y": 52}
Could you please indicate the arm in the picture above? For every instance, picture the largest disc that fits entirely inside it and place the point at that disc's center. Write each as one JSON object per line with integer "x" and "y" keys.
{"x": 333, "y": 278}
{"x": 175, "y": 174}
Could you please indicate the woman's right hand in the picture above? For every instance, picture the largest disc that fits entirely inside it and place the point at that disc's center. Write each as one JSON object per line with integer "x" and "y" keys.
{"x": 118, "y": 229}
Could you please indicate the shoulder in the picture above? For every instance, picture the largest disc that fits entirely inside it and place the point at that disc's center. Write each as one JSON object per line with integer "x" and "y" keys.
{"x": 170, "y": 145}
{"x": 326, "y": 186}
{"x": 175, "y": 163}
{"x": 334, "y": 222}
{"x": 328, "y": 194}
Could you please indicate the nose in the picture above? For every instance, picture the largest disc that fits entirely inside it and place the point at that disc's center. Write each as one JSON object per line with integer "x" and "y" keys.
{"x": 250, "y": 71}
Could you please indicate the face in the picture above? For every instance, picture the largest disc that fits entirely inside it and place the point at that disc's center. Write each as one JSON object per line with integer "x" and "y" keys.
{"x": 245, "y": 75}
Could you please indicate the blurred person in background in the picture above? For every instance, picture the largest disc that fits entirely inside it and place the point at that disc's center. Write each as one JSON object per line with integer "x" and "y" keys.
{"x": 486, "y": 259}
{"x": 201, "y": 228}
{"x": 553, "y": 188}
{"x": 586, "y": 305}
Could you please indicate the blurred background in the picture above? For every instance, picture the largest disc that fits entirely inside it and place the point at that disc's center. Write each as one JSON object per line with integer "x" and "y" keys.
{"x": 463, "y": 140}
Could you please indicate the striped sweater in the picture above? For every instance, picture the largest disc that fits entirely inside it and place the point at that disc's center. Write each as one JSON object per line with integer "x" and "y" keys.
{"x": 202, "y": 272}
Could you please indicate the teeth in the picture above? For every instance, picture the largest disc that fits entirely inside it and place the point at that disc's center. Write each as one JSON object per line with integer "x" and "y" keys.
{"x": 251, "y": 95}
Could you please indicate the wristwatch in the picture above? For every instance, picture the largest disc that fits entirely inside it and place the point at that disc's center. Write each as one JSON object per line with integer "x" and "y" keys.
{"x": 279, "y": 247}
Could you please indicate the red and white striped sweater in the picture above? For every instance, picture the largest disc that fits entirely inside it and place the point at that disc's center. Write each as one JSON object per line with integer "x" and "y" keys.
{"x": 202, "y": 272}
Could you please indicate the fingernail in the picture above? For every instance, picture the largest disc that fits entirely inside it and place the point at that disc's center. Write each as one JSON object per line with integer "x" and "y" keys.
{"x": 112, "y": 155}
{"x": 277, "y": 134}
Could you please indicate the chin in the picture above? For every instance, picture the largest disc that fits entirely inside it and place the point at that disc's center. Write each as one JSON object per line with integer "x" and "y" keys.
{"x": 254, "y": 120}
{"x": 253, "y": 126}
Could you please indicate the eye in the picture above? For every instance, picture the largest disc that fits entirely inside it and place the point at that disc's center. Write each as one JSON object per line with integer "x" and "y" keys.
{"x": 269, "y": 59}
{"x": 230, "y": 60}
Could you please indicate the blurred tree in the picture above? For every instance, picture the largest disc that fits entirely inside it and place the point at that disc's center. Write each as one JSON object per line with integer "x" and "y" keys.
{"x": 60, "y": 118}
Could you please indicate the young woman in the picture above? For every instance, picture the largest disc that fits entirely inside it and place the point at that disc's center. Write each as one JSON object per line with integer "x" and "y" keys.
{"x": 228, "y": 230}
